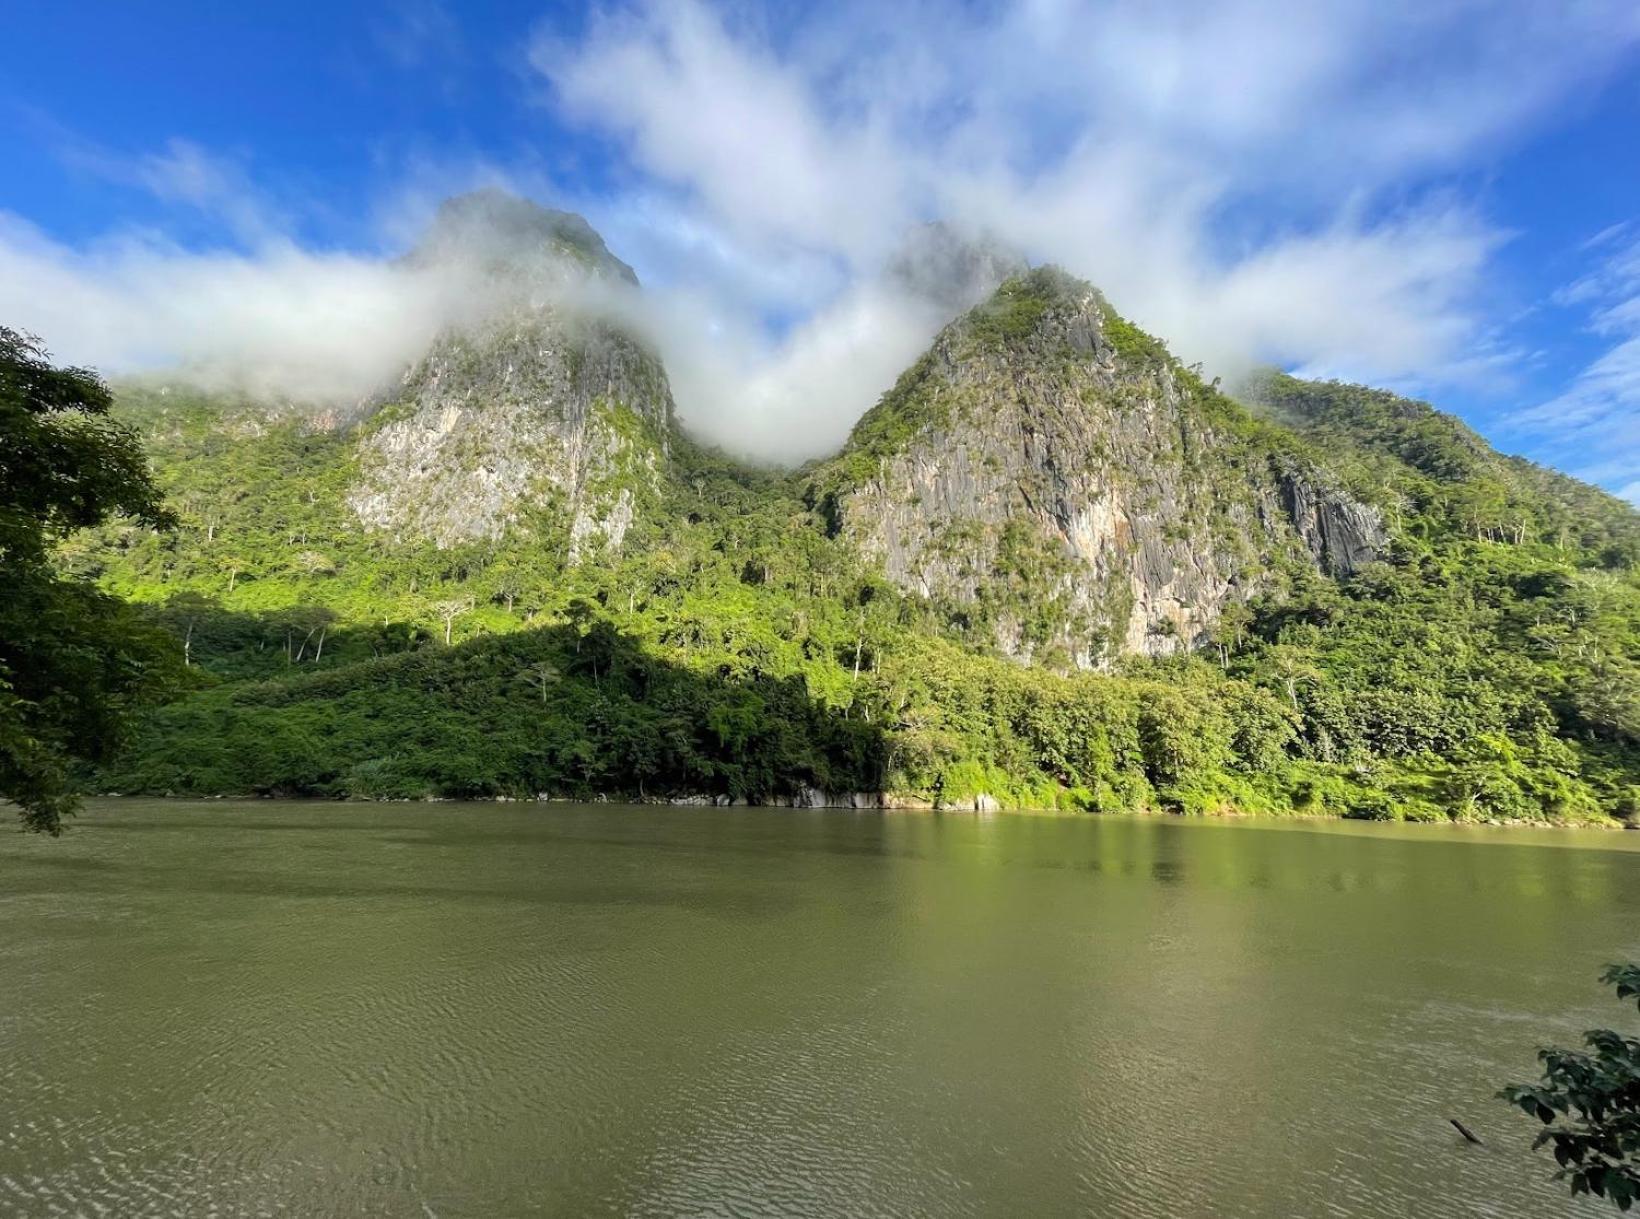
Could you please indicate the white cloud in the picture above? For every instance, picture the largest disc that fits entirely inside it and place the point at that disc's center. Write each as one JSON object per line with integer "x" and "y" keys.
{"x": 184, "y": 173}
{"x": 280, "y": 321}
{"x": 731, "y": 122}
{"x": 1251, "y": 179}
{"x": 1220, "y": 169}
{"x": 780, "y": 400}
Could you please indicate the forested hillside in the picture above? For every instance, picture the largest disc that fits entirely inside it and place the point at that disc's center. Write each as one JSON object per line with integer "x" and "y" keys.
{"x": 1052, "y": 568}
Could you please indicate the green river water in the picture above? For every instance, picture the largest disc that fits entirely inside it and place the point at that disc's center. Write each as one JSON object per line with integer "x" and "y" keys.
{"x": 490, "y": 1010}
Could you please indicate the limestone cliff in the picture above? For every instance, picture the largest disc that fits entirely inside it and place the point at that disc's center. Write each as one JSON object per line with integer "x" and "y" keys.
{"x": 1059, "y": 482}
{"x": 535, "y": 412}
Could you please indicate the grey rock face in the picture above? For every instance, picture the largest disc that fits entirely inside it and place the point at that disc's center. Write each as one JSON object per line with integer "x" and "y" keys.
{"x": 536, "y": 412}
{"x": 531, "y": 416}
{"x": 1055, "y": 473}
{"x": 1342, "y": 534}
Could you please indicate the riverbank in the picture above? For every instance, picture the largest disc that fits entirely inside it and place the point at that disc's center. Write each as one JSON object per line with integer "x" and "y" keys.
{"x": 982, "y": 804}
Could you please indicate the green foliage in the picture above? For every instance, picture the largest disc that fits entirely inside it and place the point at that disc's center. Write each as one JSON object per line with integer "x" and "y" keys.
{"x": 1131, "y": 343}
{"x": 578, "y": 708}
{"x": 1015, "y": 310}
{"x": 72, "y": 660}
{"x": 1589, "y": 1105}
{"x": 915, "y": 405}
{"x": 1481, "y": 671}
{"x": 922, "y": 401}
{"x": 1438, "y": 479}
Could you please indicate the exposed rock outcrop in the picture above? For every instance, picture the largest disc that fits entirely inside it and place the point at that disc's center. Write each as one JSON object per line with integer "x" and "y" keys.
{"x": 537, "y": 414}
{"x": 1049, "y": 473}
{"x": 1341, "y": 533}
{"x": 534, "y": 414}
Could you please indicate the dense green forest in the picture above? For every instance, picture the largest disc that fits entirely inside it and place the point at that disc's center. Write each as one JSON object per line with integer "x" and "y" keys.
{"x": 1488, "y": 667}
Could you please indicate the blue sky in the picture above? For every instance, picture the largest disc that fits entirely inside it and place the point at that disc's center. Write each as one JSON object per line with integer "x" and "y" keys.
{"x": 1446, "y": 202}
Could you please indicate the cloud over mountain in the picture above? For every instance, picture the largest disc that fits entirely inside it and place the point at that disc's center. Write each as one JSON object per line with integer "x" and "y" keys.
{"x": 1253, "y": 181}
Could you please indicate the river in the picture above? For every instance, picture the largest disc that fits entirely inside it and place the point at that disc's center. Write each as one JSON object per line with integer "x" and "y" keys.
{"x": 582, "y": 1010}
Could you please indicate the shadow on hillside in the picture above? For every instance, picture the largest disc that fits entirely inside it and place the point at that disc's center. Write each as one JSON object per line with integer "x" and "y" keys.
{"x": 237, "y": 644}
{"x": 576, "y": 708}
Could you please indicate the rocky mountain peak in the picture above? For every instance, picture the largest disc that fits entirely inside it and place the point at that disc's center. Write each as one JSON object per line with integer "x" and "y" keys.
{"x": 501, "y": 232}
{"x": 535, "y": 415}
{"x": 951, "y": 269}
{"x": 1056, "y": 480}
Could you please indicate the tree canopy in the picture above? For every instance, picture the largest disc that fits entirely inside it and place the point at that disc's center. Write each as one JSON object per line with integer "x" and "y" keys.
{"x": 72, "y": 659}
{"x": 1486, "y": 668}
{"x": 1589, "y": 1104}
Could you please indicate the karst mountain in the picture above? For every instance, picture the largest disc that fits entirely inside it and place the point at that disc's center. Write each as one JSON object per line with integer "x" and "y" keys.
{"x": 1051, "y": 566}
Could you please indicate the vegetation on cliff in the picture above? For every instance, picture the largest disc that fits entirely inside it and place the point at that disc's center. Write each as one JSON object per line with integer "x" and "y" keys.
{"x": 738, "y": 641}
{"x": 1468, "y": 677}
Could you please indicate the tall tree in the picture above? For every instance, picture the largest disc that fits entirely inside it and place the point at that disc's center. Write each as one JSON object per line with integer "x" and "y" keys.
{"x": 72, "y": 659}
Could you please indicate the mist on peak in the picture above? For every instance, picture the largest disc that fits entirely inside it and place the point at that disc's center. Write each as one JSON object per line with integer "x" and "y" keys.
{"x": 493, "y": 228}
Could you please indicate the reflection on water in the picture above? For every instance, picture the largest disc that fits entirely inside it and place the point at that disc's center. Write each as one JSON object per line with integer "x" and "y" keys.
{"x": 569, "y": 1010}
